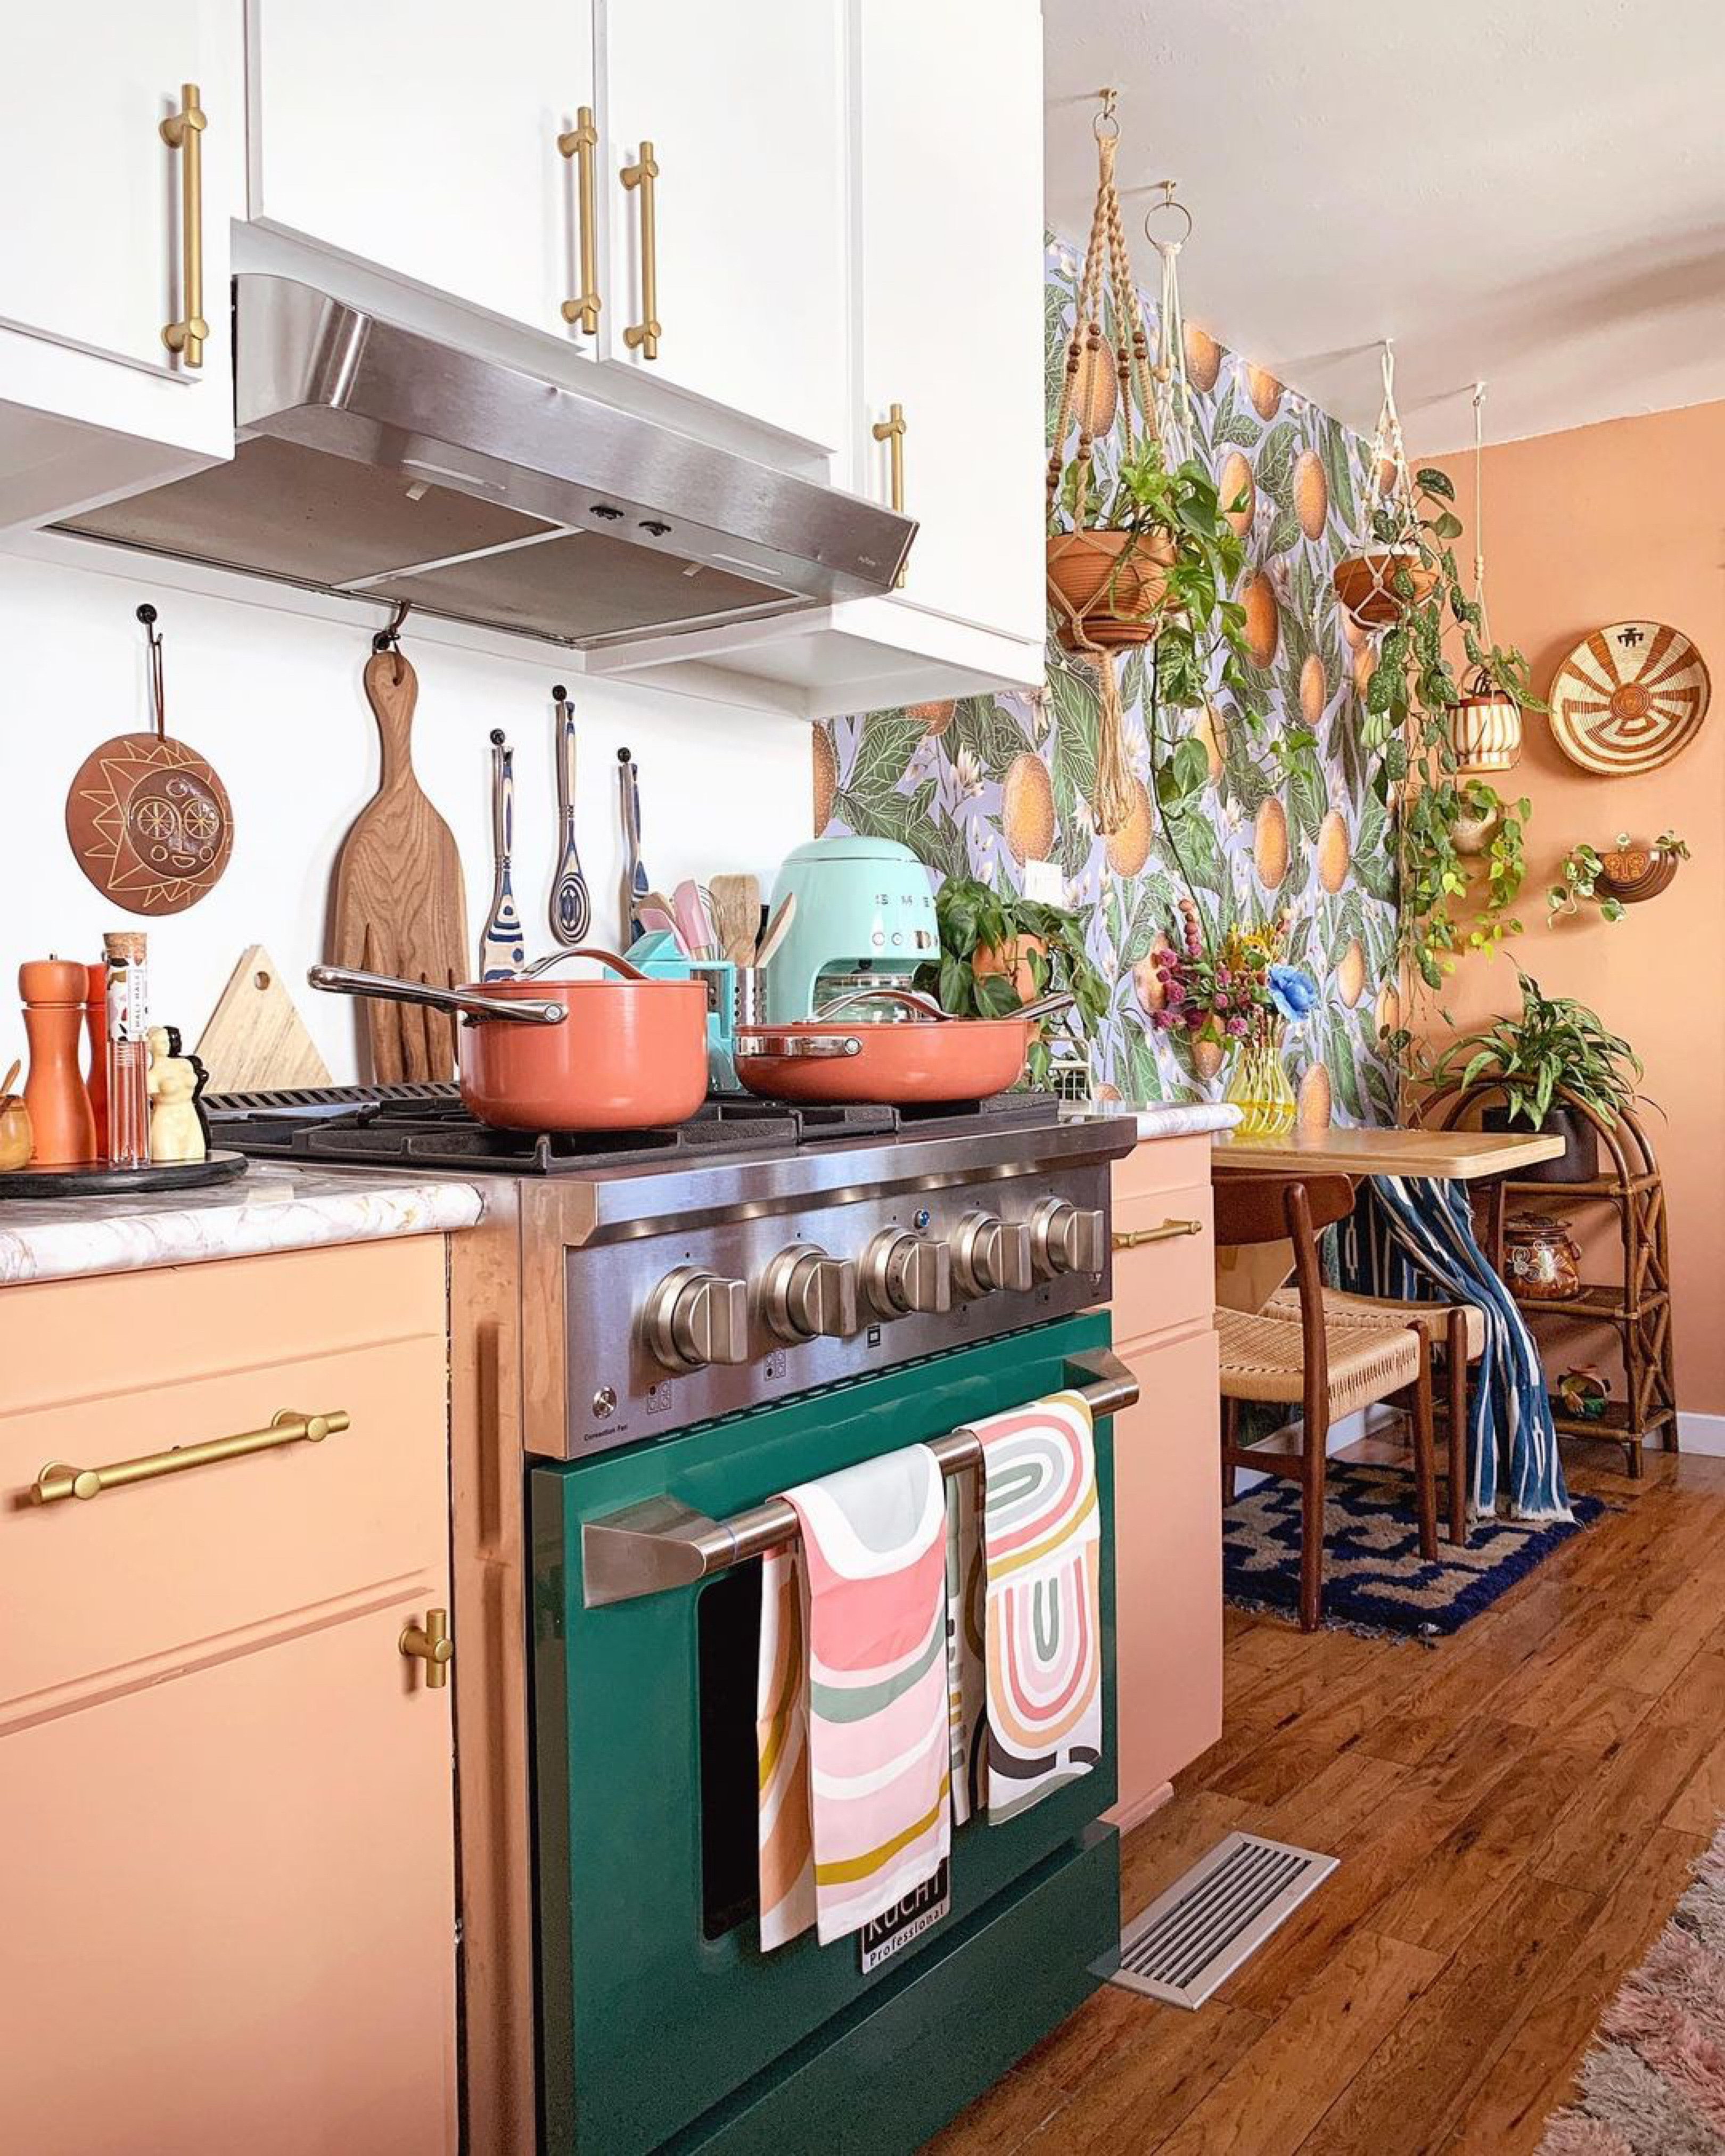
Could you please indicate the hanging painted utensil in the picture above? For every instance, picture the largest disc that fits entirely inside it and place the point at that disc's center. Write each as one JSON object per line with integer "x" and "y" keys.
{"x": 148, "y": 821}
{"x": 400, "y": 905}
{"x": 635, "y": 883}
{"x": 502, "y": 946}
{"x": 571, "y": 905}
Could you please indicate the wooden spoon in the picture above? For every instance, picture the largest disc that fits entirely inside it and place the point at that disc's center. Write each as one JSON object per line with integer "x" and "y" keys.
{"x": 6, "y": 1089}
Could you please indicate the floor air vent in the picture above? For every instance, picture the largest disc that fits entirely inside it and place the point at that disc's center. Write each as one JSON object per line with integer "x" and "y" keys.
{"x": 1216, "y": 1915}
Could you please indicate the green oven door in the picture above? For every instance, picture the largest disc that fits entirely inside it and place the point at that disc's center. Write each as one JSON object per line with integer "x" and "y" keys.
{"x": 656, "y": 2003}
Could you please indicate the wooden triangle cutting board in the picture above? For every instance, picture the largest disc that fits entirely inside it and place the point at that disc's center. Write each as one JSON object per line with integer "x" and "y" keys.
{"x": 256, "y": 1039}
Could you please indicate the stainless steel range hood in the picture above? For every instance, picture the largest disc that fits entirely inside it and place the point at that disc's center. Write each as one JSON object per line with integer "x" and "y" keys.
{"x": 376, "y": 461}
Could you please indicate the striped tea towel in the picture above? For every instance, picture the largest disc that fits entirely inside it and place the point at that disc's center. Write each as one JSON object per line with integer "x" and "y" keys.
{"x": 851, "y": 1699}
{"x": 1041, "y": 1544}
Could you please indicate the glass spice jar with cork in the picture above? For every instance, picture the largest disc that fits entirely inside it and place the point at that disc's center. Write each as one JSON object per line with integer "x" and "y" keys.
{"x": 128, "y": 1051}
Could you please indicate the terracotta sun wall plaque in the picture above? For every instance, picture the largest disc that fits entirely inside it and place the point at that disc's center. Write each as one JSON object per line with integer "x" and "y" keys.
{"x": 1629, "y": 698}
{"x": 150, "y": 822}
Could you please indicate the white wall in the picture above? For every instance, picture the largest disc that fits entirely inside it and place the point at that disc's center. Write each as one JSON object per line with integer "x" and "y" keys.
{"x": 267, "y": 686}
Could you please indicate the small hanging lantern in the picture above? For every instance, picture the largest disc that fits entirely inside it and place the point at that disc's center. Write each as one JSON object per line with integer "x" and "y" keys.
{"x": 1378, "y": 586}
{"x": 1485, "y": 723}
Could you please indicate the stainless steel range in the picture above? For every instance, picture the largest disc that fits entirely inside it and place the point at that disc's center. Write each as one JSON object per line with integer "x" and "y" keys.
{"x": 652, "y": 1336}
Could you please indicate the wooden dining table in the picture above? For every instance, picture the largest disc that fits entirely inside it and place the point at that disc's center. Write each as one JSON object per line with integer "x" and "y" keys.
{"x": 1441, "y": 1156}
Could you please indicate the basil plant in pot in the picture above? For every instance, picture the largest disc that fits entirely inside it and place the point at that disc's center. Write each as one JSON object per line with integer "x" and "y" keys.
{"x": 1554, "y": 1045}
{"x": 999, "y": 951}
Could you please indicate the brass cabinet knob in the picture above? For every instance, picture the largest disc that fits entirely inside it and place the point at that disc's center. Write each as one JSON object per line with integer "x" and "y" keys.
{"x": 430, "y": 1642}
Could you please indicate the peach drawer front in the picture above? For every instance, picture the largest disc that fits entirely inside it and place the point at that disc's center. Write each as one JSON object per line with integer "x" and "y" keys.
{"x": 93, "y": 1588}
{"x": 1159, "y": 1164}
{"x": 1170, "y": 1281}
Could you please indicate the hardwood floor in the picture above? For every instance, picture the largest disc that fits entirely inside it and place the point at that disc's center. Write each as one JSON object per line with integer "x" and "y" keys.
{"x": 1515, "y": 1811}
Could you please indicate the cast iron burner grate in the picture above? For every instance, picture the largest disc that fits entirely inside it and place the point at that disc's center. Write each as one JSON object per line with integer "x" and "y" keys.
{"x": 425, "y": 1126}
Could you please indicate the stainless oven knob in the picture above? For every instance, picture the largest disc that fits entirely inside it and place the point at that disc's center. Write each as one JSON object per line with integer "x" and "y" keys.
{"x": 805, "y": 1294}
{"x": 990, "y": 1254}
{"x": 1066, "y": 1238}
{"x": 694, "y": 1318}
{"x": 905, "y": 1272}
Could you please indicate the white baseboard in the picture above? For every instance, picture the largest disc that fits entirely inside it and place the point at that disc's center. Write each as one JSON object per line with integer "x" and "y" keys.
{"x": 1349, "y": 1431}
{"x": 1704, "y": 1434}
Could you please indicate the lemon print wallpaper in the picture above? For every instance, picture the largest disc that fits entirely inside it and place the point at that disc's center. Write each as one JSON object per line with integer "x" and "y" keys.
{"x": 982, "y": 786}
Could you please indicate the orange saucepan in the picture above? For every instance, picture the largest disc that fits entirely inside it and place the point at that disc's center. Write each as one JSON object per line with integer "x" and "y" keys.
{"x": 622, "y": 1055}
{"x": 929, "y": 1058}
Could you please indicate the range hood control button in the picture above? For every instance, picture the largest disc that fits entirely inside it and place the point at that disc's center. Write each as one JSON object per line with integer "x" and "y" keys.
{"x": 990, "y": 1254}
{"x": 805, "y": 1294}
{"x": 1066, "y": 1238}
{"x": 694, "y": 1318}
{"x": 905, "y": 1272}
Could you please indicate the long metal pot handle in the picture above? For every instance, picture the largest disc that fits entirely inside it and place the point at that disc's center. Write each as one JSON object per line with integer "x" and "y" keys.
{"x": 646, "y": 1548}
{"x": 346, "y": 981}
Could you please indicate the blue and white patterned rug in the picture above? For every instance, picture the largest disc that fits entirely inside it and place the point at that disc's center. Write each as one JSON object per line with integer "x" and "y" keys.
{"x": 1374, "y": 1576}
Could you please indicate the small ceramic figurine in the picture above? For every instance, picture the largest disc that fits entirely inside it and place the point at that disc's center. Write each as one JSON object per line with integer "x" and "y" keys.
{"x": 175, "y": 1131}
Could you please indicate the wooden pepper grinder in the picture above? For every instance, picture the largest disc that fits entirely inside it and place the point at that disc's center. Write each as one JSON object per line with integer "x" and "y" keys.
{"x": 95, "y": 1037}
{"x": 54, "y": 990}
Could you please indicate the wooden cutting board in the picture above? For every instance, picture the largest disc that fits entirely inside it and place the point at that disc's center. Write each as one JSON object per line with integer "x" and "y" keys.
{"x": 256, "y": 1039}
{"x": 399, "y": 905}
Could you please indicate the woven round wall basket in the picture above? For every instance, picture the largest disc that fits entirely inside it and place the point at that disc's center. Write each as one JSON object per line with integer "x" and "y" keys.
{"x": 1629, "y": 698}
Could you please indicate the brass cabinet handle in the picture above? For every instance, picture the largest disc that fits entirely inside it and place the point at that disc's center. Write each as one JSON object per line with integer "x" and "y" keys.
{"x": 430, "y": 1642}
{"x": 1134, "y": 1239}
{"x": 579, "y": 143}
{"x": 643, "y": 335}
{"x": 286, "y": 1427}
{"x": 891, "y": 429}
{"x": 184, "y": 132}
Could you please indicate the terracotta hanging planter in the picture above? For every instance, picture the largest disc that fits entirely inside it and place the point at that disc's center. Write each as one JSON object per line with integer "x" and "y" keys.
{"x": 1110, "y": 587}
{"x": 1486, "y": 728}
{"x": 1362, "y": 584}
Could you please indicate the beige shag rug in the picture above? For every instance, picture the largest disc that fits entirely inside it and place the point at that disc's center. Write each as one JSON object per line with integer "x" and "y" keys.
{"x": 1653, "y": 2083}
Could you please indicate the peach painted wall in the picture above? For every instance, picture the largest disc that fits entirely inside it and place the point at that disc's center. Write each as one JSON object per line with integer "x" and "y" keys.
{"x": 1614, "y": 522}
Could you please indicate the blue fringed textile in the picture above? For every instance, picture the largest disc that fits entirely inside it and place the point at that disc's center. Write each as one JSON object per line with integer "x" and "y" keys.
{"x": 1414, "y": 1238}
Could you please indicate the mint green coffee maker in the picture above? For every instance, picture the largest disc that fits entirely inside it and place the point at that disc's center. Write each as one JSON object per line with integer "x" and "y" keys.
{"x": 864, "y": 918}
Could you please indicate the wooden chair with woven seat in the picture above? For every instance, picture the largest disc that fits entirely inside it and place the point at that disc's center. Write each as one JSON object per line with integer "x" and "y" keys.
{"x": 1459, "y": 1328}
{"x": 1325, "y": 1368}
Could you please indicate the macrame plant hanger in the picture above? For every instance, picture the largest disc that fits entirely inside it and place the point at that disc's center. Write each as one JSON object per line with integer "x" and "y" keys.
{"x": 1485, "y": 724}
{"x": 1368, "y": 583}
{"x": 1089, "y": 390}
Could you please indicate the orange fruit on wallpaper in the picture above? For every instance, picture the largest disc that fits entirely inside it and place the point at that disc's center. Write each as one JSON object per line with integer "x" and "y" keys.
{"x": 1311, "y": 1109}
{"x": 1312, "y": 695}
{"x": 1265, "y": 391}
{"x": 1235, "y": 483}
{"x": 1311, "y": 495}
{"x": 1263, "y": 628}
{"x": 1269, "y": 844}
{"x": 1204, "y": 358}
{"x": 1332, "y": 852}
{"x": 1128, "y": 847}
{"x": 1212, "y": 730}
{"x": 825, "y": 775}
{"x": 1105, "y": 1091}
{"x": 1352, "y": 633}
{"x": 934, "y": 718}
{"x": 1206, "y": 1058}
{"x": 1026, "y": 809}
{"x": 1095, "y": 389}
{"x": 1389, "y": 1008}
{"x": 1365, "y": 665}
{"x": 1386, "y": 476}
{"x": 1147, "y": 982}
{"x": 1351, "y": 973}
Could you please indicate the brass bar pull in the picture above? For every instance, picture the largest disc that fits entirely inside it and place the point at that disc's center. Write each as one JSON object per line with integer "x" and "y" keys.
{"x": 891, "y": 429}
{"x": 1134, "y": 1239}
{"x": 184, "y": 132}
{"x": 430, "y": 1642}
{"x": 58, "y": 1480}
{"x": 643, "y": 335}
{"x": 580, "y": 142}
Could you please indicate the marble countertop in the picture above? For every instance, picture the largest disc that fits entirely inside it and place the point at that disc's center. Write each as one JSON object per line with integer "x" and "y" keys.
{"x": 1170, "y": 1119}
{"x": 269, "y": 1208}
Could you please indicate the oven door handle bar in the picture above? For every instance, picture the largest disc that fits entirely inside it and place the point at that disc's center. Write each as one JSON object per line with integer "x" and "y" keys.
{"x": 647, "y": 1548}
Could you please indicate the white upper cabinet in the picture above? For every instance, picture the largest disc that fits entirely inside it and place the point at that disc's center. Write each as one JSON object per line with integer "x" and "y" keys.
{"x": 94, "y": 262}
{"x": 421, "y": 137}
{"x": 948, "y": 174}
{"x": 741, "y": 244}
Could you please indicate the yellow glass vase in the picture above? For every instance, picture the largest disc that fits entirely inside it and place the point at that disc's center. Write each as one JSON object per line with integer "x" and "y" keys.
{"x": 1260, "y": 1087}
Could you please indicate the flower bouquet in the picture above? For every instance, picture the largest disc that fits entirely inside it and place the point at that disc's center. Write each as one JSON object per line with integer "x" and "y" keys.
{"x": 1242, "y": 996}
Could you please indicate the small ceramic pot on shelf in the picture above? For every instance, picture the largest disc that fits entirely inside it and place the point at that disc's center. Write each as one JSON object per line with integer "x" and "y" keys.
{"x": 1542, "y": 1260}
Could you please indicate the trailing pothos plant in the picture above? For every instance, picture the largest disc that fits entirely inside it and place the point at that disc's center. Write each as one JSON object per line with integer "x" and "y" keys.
{"x": 986, "y": 936}
{"x": 1409, "y": 701}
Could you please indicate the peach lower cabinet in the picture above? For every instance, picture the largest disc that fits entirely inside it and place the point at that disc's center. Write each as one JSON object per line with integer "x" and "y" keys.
{"x": 1168, "y": 1527}
{"x": 227, "y": 1920}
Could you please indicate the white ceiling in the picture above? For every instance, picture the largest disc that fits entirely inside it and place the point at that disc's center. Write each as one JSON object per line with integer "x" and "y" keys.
{"x": 1531, "y": 190}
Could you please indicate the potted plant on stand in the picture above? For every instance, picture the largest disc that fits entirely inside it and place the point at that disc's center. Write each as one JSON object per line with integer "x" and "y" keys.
{"x": 1552, "y": 1063}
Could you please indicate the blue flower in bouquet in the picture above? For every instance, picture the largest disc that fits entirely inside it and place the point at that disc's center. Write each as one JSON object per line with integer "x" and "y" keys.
{"x": 1293, "y": 992}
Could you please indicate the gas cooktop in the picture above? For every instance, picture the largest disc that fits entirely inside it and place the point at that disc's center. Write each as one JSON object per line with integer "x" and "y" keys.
{"x": 425, "y": 1126}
